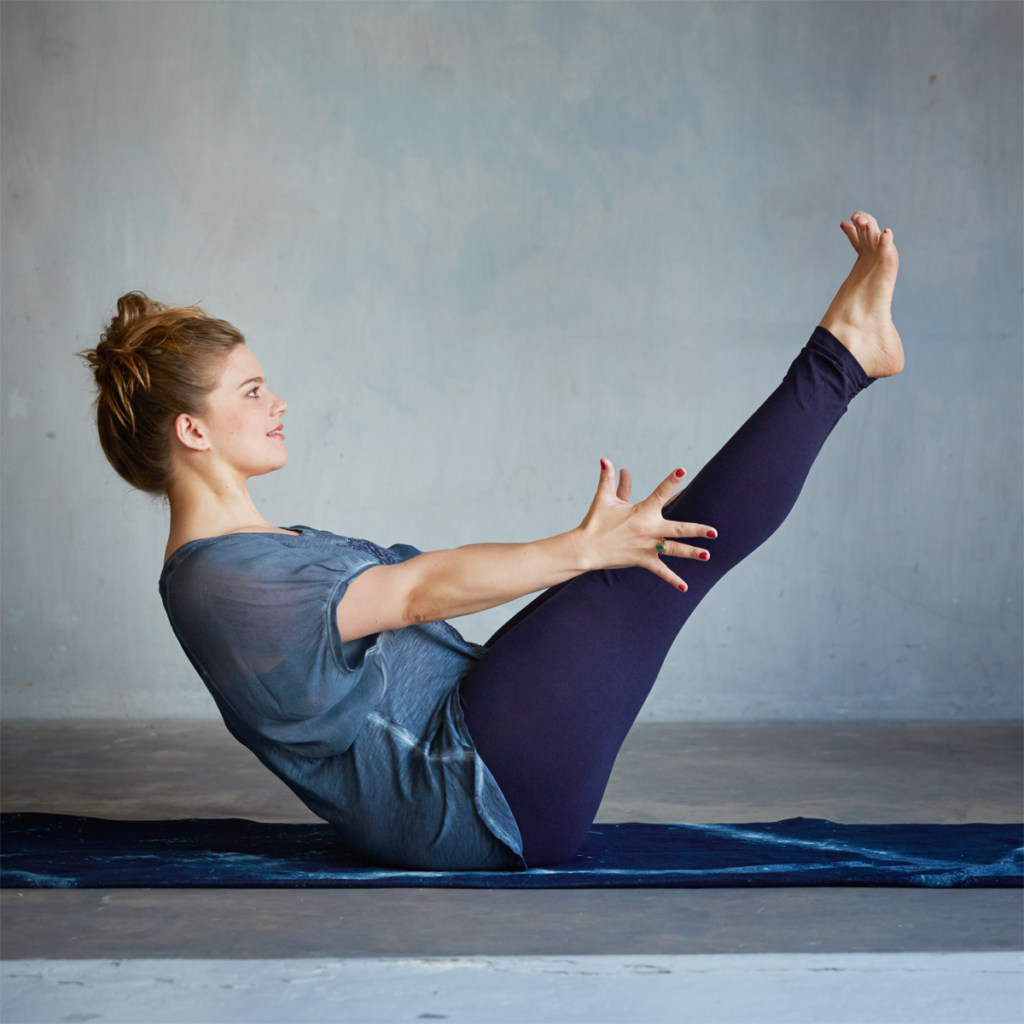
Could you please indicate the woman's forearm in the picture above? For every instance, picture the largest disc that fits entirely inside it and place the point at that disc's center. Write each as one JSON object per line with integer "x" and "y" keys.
{"x": 459, "y": 581}
{"x": 469, "y": 579}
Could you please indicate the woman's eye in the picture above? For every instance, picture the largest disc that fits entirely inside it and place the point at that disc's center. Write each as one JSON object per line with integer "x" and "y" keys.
{"x": 252, "y": 394}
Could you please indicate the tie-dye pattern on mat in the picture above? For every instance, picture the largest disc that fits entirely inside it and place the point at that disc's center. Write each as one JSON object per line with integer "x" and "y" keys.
{"x": 57, "y": 851}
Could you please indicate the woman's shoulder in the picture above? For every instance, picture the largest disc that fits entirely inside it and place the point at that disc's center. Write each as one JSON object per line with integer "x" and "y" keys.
{"x": 236, "y": 544}
{"x": 243, "y": 553}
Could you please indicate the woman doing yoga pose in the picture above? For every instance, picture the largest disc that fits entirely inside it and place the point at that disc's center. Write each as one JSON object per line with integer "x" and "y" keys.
{"x": 329, "y": 656}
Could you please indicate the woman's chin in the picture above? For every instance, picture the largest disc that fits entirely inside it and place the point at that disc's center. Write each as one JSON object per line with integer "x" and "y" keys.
{"x": 278, "y": 461}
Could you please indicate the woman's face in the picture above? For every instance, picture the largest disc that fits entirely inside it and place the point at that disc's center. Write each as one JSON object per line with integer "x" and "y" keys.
{"x": 242, "y": 420}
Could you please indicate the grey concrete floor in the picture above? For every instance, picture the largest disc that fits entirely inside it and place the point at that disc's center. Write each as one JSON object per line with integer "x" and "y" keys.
{"x": 849, "y": 772}
{"x": 767, "y": 988}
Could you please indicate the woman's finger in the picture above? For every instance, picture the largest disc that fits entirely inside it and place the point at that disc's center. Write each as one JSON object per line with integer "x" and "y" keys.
{"x": 663, "y": 492}
{"x": 606, "y": 484}
{"x": 605, "y": 493}
{"x": 660, "y": 569}
{"x": 673, "y": 529}
{"x": 625, "y": 485}
{"x": 674, "y": 549}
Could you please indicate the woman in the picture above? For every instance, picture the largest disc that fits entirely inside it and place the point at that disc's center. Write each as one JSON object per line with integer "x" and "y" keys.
{"x": 329, "y": 656}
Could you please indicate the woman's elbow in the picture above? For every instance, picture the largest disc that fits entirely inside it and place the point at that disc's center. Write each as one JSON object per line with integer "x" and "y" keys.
{"x": 417, "y": 611}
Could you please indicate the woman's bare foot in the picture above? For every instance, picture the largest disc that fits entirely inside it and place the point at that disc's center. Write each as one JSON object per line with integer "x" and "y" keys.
{"x": 861, "y": 313}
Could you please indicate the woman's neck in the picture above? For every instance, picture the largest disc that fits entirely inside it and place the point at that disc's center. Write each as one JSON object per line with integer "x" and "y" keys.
{"x": 203, "y": 508}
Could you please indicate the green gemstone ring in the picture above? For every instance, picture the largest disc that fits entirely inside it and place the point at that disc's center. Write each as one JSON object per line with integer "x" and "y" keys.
{"x": 661, "y": 547}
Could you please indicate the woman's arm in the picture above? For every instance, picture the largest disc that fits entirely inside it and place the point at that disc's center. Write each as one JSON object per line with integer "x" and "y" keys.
{"x": 445, "y": 584}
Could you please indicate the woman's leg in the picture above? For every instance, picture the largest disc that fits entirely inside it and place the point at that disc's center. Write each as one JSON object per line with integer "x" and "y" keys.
{"x": 551, "y": 701}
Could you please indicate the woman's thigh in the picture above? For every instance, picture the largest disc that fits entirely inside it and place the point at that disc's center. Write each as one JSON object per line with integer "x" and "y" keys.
{"x": 552, "y": 699}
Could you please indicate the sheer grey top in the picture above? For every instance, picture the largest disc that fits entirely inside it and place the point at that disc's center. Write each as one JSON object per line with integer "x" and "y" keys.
{"x": 368, "y": 733}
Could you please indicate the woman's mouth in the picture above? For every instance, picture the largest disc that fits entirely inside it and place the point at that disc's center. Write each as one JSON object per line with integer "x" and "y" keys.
{"x": 276, "y": 434}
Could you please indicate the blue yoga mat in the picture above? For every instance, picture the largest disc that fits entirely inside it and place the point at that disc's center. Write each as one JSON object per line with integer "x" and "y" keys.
{"x": 57, "y": 851}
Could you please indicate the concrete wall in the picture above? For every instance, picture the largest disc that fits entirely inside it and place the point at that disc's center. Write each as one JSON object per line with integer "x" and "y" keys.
{"x": 477, "y": 246}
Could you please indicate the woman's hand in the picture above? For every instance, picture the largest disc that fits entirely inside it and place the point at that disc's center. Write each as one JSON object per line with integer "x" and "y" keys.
{"x": 615, "y": 534}
{"x": 444, "y": 584}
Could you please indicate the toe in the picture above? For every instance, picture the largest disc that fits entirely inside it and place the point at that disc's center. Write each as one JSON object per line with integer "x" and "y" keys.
{"x": 867, "y": 224}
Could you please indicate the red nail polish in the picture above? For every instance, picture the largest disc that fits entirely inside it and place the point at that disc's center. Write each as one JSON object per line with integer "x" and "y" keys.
{"x": 680, "y": 473}
{"x": 712, "y": 535}
{"x": 683, "y": 588}
{"x": 704, "y": 556}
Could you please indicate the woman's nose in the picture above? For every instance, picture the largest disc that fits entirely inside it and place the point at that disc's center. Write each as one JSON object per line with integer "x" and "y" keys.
{"x": 279, "y": 407}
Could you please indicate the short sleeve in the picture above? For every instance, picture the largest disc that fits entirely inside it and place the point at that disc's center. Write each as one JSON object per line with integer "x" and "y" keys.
{"x": 256, "y": 615}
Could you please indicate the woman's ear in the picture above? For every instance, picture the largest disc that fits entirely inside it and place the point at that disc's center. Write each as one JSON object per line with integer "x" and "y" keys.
{"x": 191, "y": 432}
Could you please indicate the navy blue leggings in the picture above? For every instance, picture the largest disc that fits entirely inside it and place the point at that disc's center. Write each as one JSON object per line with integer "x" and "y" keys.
{"x": 550, "y": 702}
